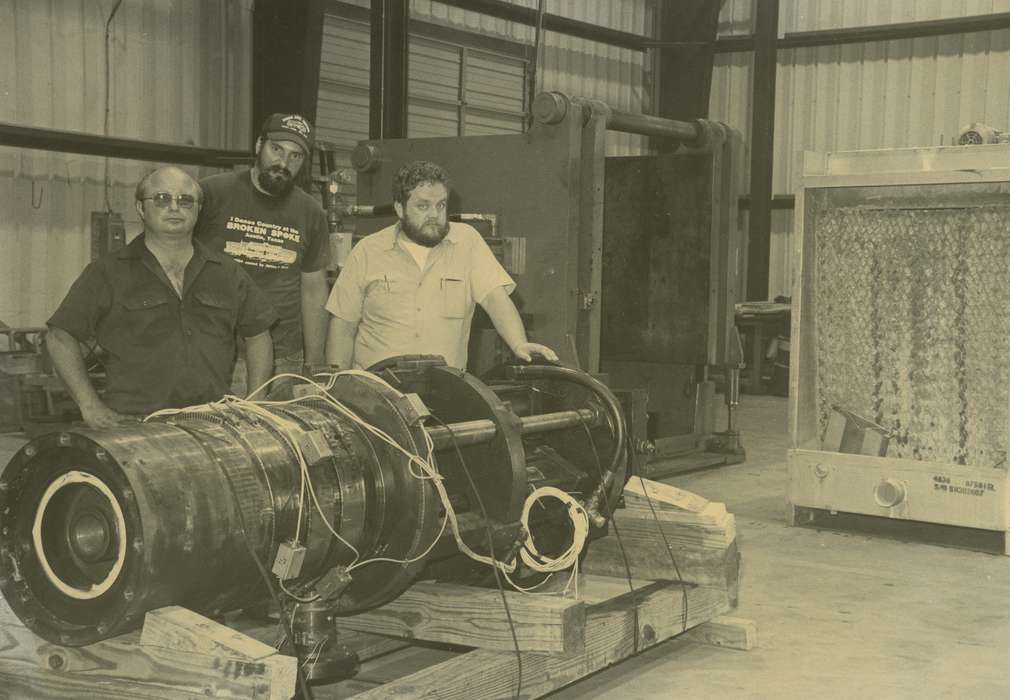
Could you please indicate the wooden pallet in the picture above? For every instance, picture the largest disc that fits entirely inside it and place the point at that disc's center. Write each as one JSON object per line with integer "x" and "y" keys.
{"x": 436, "y": 640}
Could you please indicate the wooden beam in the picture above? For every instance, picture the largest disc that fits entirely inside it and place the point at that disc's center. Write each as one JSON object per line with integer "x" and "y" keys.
{"x": 701, "y": 552}
{"x": 615, "y": 630}
{"x": 180, "y": 629}
{"x": 726, "y": 632}
{"x": 647, "y": 492}
{"x": 31, "y": 668}
{"x": 442, "y": 612}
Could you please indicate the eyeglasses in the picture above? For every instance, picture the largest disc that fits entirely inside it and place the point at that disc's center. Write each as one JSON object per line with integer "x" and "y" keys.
{"x": 163, "y": 200}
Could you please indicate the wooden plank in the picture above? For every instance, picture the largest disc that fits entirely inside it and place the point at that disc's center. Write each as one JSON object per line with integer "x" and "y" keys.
{"x": 449, "y": 613}
{"x": 179, "y": 629}
{"x": 615, "y": 630}
{"x": 681, "y": 530}
{"x": 666, "y": 467}
{"x": 649, "y": 558}
{"x": 31, "y": 668}
{"x": 644, "y": 491}
{"x": 918, "y": 161}
{"x": 368, "y": 646}
{"x": 726, "y": 632}
{"x": 934, "y": 492}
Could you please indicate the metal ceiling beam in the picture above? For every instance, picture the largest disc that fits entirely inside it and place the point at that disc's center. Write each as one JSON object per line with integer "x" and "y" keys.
{"x": 878, "y": 32}
{"x": 555, "y": 23}
{"x": 16, "y": 136}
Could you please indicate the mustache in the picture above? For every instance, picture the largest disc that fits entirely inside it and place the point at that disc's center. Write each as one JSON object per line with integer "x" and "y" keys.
{"x": 279, "y": 170}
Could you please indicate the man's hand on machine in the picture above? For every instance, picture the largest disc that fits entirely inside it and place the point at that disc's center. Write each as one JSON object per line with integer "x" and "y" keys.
{"x": 525, "y": 352}
{"x": 98, "y": 416}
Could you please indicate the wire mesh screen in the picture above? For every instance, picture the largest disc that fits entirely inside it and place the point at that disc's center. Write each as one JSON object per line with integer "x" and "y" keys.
{"x": 912, "y": 326}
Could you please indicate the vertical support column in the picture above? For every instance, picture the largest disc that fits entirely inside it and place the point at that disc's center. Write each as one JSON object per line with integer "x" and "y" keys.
{"x": 287, "y": 45}
{"x": 387, "y": 106}
{"x": 685, "y": 72}
{"x": 762, "y": 148}
{"x": 590, "y": 276}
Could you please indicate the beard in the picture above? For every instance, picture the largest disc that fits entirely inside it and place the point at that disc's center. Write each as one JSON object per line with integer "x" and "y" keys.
{"x": 276, "y": 180}
{"x": 428, "y": 235}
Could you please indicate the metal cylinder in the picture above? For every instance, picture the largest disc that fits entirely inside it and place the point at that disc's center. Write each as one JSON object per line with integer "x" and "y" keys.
{"x": 478, "y": 431}
{"x": 648, "y": 125}
{"x": 98, "y": 527}
{"x": 553, "y": 107}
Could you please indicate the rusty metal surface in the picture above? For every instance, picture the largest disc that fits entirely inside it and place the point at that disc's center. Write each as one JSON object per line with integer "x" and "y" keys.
{"x": 656, "y": 250}
{"x": 911, "y": 307}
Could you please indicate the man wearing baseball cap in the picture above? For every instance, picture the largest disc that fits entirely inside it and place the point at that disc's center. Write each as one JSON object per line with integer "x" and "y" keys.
{"x": 278, "y": 233}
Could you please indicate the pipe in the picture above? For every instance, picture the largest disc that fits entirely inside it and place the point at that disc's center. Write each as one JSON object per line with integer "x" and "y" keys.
{"x": 648, "y": 125}
{"x": 17, "y": 136}
{"x": 474, "y": 432}
{"x": 552, "y": 108}
{"x": 601, "y": 391}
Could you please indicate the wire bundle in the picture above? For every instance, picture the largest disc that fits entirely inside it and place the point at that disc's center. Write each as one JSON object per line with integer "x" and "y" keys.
{"x": 420, "y": 468}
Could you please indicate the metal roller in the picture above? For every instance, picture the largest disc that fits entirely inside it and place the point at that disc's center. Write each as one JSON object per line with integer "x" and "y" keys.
{"x": 98, "y": 527}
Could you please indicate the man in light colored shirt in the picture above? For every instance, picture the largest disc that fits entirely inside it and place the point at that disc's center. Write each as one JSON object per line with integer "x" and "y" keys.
{"x": 411, "y": 288}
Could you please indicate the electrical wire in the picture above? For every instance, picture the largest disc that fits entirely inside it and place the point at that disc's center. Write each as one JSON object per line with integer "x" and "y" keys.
{"x": 427, "y": 467}
{"x": 108, "y": 94}
{"x": 423, "y": 468}
{"x": 669, "y": 550}
{"x": 617, "y": 533}
{"x": 490, "y": 547}
{"x": 659, "y": 524}
{"x": 303, "y": 685}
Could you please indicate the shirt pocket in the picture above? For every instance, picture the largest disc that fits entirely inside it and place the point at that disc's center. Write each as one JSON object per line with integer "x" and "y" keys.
{"x": 389, "y": 300}
{"x": 213, "y": 313}
{"x": 147, "y": 320}
{"x": 454, "y": 297}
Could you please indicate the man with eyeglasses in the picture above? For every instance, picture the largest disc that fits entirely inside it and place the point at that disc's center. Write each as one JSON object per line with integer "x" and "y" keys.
{"x": 279, "y": 234}
{"x": 166, "y": 309}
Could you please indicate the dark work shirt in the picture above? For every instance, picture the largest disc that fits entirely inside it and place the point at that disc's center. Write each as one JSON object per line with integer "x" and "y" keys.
{"x": 276, "y": 239}
{"x": 164, "y": 352}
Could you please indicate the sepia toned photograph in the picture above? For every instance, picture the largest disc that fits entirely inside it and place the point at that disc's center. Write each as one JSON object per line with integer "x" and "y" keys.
{"x": 504, "y": 349}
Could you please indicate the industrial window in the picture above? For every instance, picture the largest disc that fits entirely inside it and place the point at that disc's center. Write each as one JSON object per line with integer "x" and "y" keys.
{"x": 460, "y": 84}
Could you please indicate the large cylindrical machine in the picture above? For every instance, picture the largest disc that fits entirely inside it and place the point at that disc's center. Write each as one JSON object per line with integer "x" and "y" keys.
{"x": 98, "y": 527}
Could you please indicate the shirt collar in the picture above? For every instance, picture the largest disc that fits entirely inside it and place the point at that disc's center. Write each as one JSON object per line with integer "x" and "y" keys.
{"x": 136, "y": 250}
{"x": 451, "y": 237}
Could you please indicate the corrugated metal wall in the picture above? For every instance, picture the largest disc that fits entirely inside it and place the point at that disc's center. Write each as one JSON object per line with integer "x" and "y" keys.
{"x": 455, "y": 89}
{"x": 180, "y": 72}
{"x": 621, "y": 77}
{"x": 912, "y": 92}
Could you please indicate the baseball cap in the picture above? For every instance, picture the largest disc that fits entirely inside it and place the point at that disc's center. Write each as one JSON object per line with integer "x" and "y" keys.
{"x": 289, "y": 127}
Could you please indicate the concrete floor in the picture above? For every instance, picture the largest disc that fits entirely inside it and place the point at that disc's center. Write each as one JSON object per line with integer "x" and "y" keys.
{"x": 838, "y": 615}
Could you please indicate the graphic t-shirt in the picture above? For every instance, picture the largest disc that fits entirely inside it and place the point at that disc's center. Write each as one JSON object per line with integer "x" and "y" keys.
{"x": 275, "y": 239}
